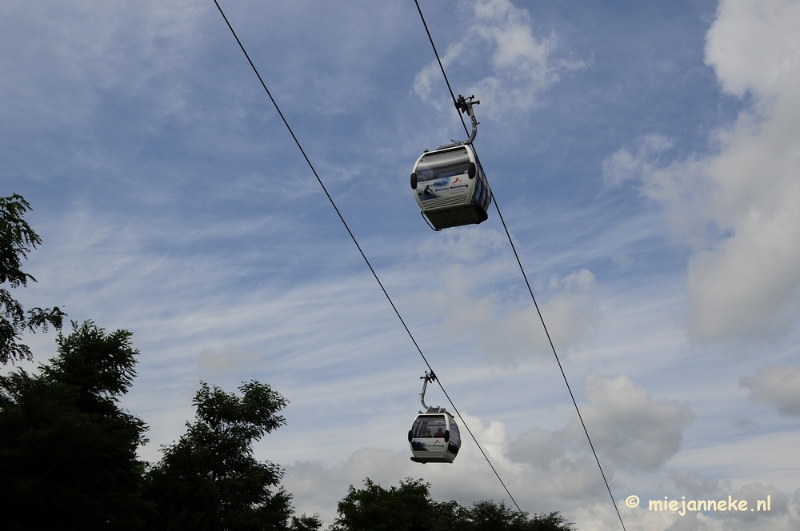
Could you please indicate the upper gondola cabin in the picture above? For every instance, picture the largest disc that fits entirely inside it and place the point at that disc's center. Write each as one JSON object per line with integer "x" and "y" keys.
{"x": 450, "y": 187}
{"x": 448, "y": 182}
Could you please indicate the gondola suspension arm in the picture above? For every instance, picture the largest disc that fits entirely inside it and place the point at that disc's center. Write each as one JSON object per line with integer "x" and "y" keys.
{"x": 465, "y": 105}
{"x": 429, "y": 377}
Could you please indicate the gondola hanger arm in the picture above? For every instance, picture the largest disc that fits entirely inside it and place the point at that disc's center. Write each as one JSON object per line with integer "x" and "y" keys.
{"x": 429, "y": 377}
{"x": 465, "y": 105}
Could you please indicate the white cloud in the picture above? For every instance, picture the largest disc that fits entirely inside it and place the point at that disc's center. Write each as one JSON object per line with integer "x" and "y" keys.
{"x": 429, "y": 76}
{"x": 521, "y": 65}
{"x": 602, "y": 517}
{"x": 782, "y": 516}
{"x": 471, "y": 244}
{"x": 467, "y": 480}
{"x": 695, "y": 485}
{"x": 624, "y": 166}
{"x": 754, "y": 45}
{"x": 744, "y": 282}
{"x": 216, "y": 291}
{"x": 317, "y": 489}
{"x": 681, "y": 187}
{"x": 508, "y": 336}
{"x": 628, "y": 427}
{"x": 752, "y": 493}
{"x": 777, "y": 385}
{"x": 545, "y": 470}
{"x": 91, "y": 48}
{"x": 229, "y": 365}
{"x": 538, "y": 447}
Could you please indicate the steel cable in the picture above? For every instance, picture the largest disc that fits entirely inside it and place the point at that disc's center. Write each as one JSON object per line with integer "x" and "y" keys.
{"x": 524, "y": 276}
{"x": 360, "y": 250}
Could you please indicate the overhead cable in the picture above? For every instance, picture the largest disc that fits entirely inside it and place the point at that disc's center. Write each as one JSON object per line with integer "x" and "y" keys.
{"x": 525, "y": 276}
{"x": 364, "y": 256}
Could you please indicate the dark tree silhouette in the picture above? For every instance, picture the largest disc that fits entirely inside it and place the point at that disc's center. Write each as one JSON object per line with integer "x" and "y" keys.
{"x": 209, "y": 479}
{"x": 489, "y": 516}
{"x": 409, "y": 507}
{"x": 17, "y": 239}
{"x": 67, "y": 450}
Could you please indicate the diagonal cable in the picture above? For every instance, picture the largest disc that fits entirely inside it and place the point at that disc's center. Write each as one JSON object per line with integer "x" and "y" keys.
{"x": 364, "y": 256}
{"x": 527, "y": 283}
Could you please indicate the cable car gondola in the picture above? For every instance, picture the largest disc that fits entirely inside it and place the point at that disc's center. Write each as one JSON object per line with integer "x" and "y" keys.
{"x": 448, "y": 182}
{"x": 434, "y": 436}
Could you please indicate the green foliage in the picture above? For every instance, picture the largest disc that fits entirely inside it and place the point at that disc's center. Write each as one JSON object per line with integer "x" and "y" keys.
{"x": 409, "y": 507}
{"x": 305, "y": 523}
{"x": 489, "y": 516}
{"x": 101, "y": 365}
{"x": 67, "y": 451}
{"x": 405, "y": 508}
{"x": 17, "y": 239}
{"x": 209, "y": 479}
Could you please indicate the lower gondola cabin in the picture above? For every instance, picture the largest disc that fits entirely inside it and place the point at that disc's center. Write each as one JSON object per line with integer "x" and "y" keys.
{"x": 434, "y": 437}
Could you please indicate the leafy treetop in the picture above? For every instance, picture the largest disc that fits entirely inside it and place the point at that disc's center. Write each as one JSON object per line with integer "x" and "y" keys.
{"x": 67, "y": 450}
{"x": 210, "y": 480}
{"x": 17, "y": 239}
{"x": 16, "y": 236}
{"x": 409, "y": 507}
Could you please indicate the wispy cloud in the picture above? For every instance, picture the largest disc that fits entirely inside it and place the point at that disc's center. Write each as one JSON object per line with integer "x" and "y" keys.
{"x": 172, "y": 202}
{"x": 521, "y": 65}
{"x": 744, "y": 277}
{"x": 777, "y": 385}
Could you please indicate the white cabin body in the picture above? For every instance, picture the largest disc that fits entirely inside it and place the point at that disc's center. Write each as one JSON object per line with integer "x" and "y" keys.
{"x": 434, "y": 437}
{"x": 450, "y": 187}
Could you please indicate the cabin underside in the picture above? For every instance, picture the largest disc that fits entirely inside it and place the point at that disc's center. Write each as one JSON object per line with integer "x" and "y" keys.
{"x": 456, "y": 216}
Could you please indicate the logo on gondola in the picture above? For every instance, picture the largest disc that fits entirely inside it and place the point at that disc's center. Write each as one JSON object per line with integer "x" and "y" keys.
{"x": 458, "y": 180}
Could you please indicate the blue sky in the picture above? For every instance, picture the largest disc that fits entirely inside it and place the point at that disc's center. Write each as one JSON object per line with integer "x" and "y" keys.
{"x": 644, "y": 155}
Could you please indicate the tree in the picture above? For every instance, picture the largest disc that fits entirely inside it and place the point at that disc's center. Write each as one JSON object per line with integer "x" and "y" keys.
{"x": 17, "y": 239}
{"x": 409, "y": 507}
{"x": 305, "y": 523}
{"x": 210, "y": 480}
{"x": 67, "y": 450}
{"x": 490, "y": 516}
